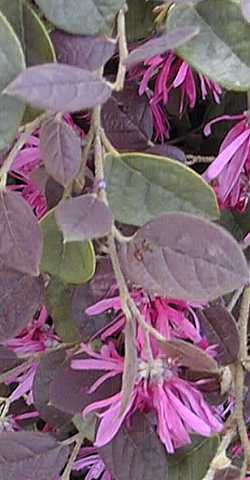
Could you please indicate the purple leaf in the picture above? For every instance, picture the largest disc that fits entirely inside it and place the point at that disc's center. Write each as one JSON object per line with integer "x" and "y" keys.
{"x": 83, "y": 218}
{"x": 182, "y": 256}
{"x": 87, "y": 295}
{"x": 89, "y": 53}
{"x": 189, "y": 355}
{"x": 61, "y": 150}
{"x": 8, "y": 359}
{"x": 69, "y": 390}
{"x": 59, "y": 88}
{"x": 20, "y": 235}
{"x": 53, "y": 193}
{"x": 168, "y": 151}
{"x": 48, "y": 368}
{"x": 127, "y": 119}
{"x": 219, "y": 327}
{"x": 160, "y": 45}
{"x": 136, "y": 452}
{"x": 31, "y": 455}
{"x": 245, "y": 7}
{"x": 21, "y": 296}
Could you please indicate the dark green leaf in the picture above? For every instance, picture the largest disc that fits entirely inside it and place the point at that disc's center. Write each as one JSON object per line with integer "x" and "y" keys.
{"x": 90, "y": 17}
{"x": 12, "y": 62}
{"x": 192, "y": 462}
{"x": 139, "y": 19}
{"x": 221, "y": 49}
{"x": 58, "y": 299}
{"x": 72, "y": 262}
{"x": 183, "y": 256}
{"x": 140, "y": 186}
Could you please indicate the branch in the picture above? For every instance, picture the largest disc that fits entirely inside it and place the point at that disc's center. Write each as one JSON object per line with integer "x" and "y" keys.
{"x": 240, "y": 378}
{"x": 123, "y": 50}
{"x": 5, "y": 168}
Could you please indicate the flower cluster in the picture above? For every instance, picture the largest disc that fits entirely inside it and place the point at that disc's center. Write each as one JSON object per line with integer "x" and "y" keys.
{"x": 160, "y": 76}
{"x": 159, "y": 388}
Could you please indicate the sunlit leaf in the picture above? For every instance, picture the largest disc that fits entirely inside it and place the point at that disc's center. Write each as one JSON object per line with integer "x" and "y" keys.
{"x": 220, "y": 50}
{"x": 140, "y": 186}
{"x": 72, "y": 262}
{"x": 183, "y": 256}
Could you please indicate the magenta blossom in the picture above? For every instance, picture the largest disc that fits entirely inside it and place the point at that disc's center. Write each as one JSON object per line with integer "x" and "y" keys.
{"x": 36, "y": 337}
{"x": 171, "y": 73}
{"x": 90, "y": 461}
{"x": 231, "y": 168}
{"x": 179, "y": 407}
{"x": 172, "y": 318}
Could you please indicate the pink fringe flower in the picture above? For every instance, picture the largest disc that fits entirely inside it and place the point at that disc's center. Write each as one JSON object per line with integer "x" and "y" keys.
{"x": 179, "y": 407}
{"x": 230, "y": 171}
{"x": 90, "y": 461}
{"x": 172, "y": 318}
{"x": 170, "y": 73}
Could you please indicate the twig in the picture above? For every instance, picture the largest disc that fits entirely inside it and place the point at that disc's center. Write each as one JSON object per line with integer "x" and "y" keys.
{"x": 123, "y": 49}
{"x": 17, "y": 147}
{"x": 75, "y": 451}
{"x": 193, "y": 159}
{"x": 237, "y": 294}
{"x": 220, "y": 460}
{"x": 240, "y": 375}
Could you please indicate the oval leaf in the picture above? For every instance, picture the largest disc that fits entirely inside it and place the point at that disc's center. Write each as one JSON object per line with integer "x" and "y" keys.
{"x": 73, "y": 262}
{"x": 127, "y": 119}
{"x": 140, "y": 186}
{"x": 61, "y": 150}
{"x": 32, "y": 455}
{"x": 220, "y": 50}
{"x": 182, "y": 256}
{"x": 138, "y": 450}
{"x": 160, "y": 45}
{"x": 20, "y": 234}
{"x": 83, "y": 218}
{"x": 193, "y": 461}
{"x": 90, "y": 17}
{"x": 59, "y": 88}
{"x": 189, "y": 356}
{"x": 12, "y": 62}
{"x": 220, "y": 329}
{"x": 21, "y": 297}
{"x": 89, "y": 53}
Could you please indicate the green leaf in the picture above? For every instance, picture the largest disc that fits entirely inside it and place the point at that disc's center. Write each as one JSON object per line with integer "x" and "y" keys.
{"x": 139, "y": 19}
{"x": 192, "y": 462}
{"x": 140, "y": 187}
{"x": 12, "y": 62}
{"x": 221, "y": 49}
{"x": 91, "y": 17}
{"x": 58, "y": 299}
{"x": 72, "y": 262}
{"x": 238, "y": 224}
{"x": 36, "y": 43}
